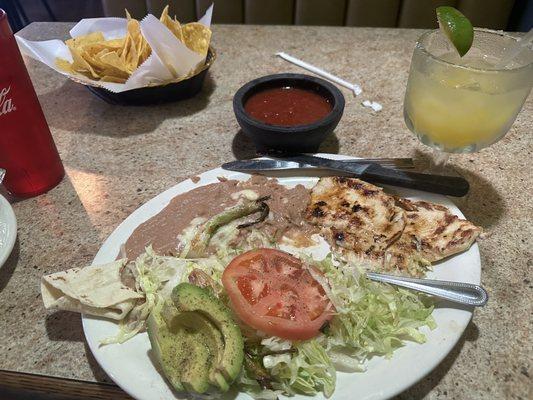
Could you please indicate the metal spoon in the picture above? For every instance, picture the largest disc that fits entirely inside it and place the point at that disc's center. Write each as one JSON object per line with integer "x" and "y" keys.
{"x": 457, "y": 292}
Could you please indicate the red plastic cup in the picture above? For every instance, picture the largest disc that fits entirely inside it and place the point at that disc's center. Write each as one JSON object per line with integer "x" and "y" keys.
{"x": 27, "y": 149}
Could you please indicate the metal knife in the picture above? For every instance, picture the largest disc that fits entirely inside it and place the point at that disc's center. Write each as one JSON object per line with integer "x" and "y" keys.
{"x": 447, "y": 185}
{"x": 283, "y": 165}
{"x": 269, "y": 165}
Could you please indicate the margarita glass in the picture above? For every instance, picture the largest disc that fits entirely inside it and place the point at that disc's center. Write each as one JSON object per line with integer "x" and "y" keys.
{"x": 461, "y": 105}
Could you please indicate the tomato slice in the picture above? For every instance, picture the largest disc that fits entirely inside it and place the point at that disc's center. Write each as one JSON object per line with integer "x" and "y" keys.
{"x": 271, "y": 291}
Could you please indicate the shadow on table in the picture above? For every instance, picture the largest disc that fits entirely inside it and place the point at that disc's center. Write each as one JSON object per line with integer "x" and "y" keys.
{"x": 424, "y": 387}
{"x": 483, "y": 205}
{"x": 73, "y": 108}
{"x": 98, "y": 373}
{"x": 64, "y": 326}
{"x": 243, "y": 148}
{"x": 6, "y": 270}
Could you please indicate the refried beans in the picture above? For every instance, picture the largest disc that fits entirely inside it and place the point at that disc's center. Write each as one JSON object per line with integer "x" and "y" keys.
{"x": 287, "y": 207}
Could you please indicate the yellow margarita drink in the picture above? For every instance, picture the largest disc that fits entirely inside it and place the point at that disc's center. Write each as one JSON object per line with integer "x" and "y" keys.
{"x": 464, "y": 104}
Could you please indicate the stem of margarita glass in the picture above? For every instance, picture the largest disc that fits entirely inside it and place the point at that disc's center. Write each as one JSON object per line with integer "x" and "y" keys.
{"x": 439, "y": 161}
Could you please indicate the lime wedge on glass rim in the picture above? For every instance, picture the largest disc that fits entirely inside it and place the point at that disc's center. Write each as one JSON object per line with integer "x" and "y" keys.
{"x": 457, "y": 28}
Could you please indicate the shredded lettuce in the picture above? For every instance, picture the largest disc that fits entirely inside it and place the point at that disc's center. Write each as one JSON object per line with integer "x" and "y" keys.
{"x": 276, "y": 344}
{"x": 151, "y": 272}
{"x": 308, "y": 371}
{"x": 212, "y": 266}
{"x": 246, "y": 383}
{"x": 372, "y": 318}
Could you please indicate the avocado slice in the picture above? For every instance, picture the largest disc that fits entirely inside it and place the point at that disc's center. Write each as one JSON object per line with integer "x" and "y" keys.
{"x": 187, "y": 298}
{"x": 213, "y": 338}
{"x": 159, "y": 336}
{"x": 195, "y": 373}
{"x": 182, "y": 353}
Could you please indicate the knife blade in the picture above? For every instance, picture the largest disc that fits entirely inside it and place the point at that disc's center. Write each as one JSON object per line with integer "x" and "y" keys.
{"x": 263, "y": 165}
{"x": 258, "y": 165}
{"x": 447, "y": 185}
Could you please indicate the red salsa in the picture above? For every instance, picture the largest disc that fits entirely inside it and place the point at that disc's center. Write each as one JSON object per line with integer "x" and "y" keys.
{"x": 287, "y": 106}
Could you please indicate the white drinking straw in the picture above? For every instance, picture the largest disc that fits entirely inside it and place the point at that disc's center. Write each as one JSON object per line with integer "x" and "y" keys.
{"x": 352, "y": 86}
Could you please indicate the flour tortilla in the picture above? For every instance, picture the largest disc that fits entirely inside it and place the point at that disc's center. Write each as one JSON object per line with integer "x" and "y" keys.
{"x": 94, "y": 290}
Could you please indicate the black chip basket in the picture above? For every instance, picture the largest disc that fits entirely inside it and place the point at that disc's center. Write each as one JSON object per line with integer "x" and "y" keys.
{"x": 167, "y": 93}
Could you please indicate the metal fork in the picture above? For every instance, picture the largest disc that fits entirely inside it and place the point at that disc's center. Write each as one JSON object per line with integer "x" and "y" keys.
{"x": 457, "y": 292}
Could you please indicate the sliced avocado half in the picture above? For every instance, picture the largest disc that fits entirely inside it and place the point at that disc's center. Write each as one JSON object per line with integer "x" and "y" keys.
{"x": 181, "y": 353}
{"x": 195, "y": 340}
{"x": 197, "y": 322}
{"x": 187, "y": 298}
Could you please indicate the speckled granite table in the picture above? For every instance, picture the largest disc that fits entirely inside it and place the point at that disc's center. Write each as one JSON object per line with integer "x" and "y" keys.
{"x": 118, "y": 158}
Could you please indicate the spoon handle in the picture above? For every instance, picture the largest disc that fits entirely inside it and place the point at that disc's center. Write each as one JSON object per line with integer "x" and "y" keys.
{"x": 458, "y": 292}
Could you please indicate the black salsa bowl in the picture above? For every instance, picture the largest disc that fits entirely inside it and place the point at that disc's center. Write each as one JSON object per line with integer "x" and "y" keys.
{"x": 173, "y": 91}
{"x": 299, "y": 138}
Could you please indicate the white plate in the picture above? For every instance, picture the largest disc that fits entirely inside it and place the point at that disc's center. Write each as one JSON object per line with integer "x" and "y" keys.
{"x": 8, "y": 229}
{"x": 130, "y": 367}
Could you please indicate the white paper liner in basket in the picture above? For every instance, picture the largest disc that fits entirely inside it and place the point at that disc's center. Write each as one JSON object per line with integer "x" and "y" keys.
{"x": 170, "y": 60}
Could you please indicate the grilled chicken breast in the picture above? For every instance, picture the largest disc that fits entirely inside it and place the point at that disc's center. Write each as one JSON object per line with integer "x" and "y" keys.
{"x": 432, "y": 233}
{"x": 355, "y": 214}
{"x": 387, "y": 233}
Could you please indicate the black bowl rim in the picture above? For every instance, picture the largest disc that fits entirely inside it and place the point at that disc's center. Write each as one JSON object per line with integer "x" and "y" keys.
{"x": 338, "y": 107}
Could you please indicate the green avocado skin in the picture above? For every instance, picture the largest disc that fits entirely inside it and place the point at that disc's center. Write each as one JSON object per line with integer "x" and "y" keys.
{"x": 187, "y": 298}
{"x": 195, "y": 341}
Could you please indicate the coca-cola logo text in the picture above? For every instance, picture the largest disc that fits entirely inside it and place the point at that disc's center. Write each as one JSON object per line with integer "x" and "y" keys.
{"x": 6, "y": 103}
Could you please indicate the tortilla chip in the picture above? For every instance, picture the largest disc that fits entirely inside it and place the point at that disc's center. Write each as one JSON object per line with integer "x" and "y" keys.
{"x": 79, "y": 64}
{"x": 64, "y": 66}
{"x": 114, "y": 79}
{"x": 113, "y": 44}
{"x": 94, "y": 60}
{"x": 124, "y": 50}
{"x": 131, "y": 56}
{"x": 113, "y": 60}
{"x": 172, "y": 24}
{"x": 144, "y": 52}
{"x": 197, "y": 37}
{"x": 115, "y": 72}
{"x": 78, "y": 41}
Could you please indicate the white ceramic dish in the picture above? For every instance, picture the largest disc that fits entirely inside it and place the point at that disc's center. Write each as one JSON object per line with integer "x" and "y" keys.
{"x": 130, "y": 367}
{"x": 8, "y": 229}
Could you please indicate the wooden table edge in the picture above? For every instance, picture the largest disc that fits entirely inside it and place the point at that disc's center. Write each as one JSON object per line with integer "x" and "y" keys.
{"x": 51, "y": 386}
